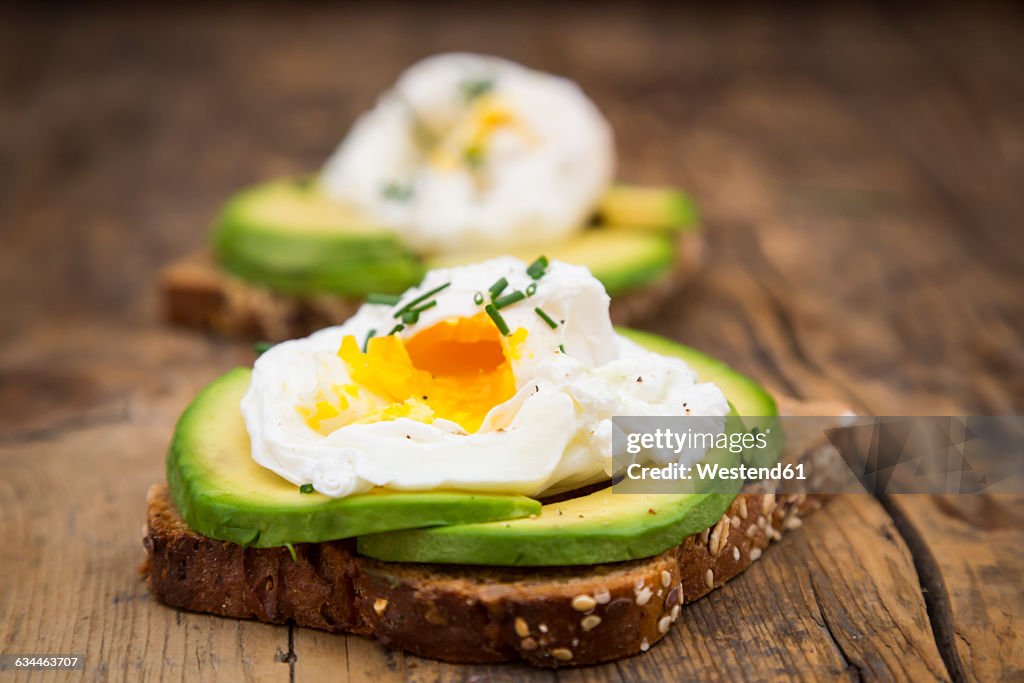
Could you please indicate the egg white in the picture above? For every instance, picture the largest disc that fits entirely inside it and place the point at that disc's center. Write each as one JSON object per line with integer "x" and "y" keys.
{"x": 555, "y": 433}
{"x": 537, "y": 179}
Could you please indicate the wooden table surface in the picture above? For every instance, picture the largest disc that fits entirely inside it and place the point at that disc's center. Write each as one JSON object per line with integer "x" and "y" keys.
{"x": 861, "y": 177}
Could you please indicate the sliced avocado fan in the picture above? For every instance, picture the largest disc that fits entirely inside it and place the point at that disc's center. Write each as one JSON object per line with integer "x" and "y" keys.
{"x": 288, "y": 235}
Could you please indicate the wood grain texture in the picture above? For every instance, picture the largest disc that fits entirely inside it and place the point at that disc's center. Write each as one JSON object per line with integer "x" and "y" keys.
{"x": 859, "y": 175}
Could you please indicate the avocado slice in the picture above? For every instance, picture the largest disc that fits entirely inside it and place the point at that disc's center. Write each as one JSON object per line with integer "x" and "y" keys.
{"x": 288, "y": 235}
{"x": 652, "y": 208}
{"x": 600, "y": 527}
{"x": 222, "y": 493}
{"x": 621, "y": 258}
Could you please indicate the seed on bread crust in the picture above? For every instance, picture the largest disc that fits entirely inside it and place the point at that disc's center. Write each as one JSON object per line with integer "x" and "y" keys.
{"x": 751, "y": 531}
{"x": 563, "y": 654}
{"x": 583, "y": 603}
{"x": 602, "y": 596}
{"x": 522, "y": 628}
{"x": 666, "y": 578}
{"x": 709, "y": 578}
{"x": 664, "y": 624}
{"x": 590, "y": 622}
{"x": 643, "y": 596}
{"x": 742, "y": 506}
{"x": 379, "y": 606}
{"x": 528, "y": 644}
{"x": 755, "y": 554}
{"x": 736, "y": 553}
{"x": 644, "y": 645}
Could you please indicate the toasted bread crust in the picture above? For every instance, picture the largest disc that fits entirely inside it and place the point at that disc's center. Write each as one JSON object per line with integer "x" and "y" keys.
{"x": 197, "y": 293}
{"x": 566, "y": 616}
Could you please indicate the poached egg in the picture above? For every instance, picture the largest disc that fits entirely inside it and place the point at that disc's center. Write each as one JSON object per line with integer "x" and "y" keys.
{"x": 469, "y": 152}
{"x": 491, "y": 377}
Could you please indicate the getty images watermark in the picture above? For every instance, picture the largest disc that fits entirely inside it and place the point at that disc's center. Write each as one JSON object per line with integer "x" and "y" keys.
{"x": 822, "y": 454}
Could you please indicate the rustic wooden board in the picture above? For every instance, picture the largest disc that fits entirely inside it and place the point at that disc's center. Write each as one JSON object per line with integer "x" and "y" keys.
{"x": 859, "y": 177}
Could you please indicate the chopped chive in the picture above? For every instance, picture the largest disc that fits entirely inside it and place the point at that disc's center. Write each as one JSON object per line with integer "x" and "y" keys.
{"x": 411, "y": 317}
{"x": 509, "y": 299}
{"x": 420, "y": 309}
{"x": 497, "y": 288}
{"x": 260, "y": 348}
{"x": 306, "y": 488}
{"x": 478, "y": 298}
{"x": 420, "y": 299}
{"x": 546, "y": 318}
{"x": 474, "y": 157}
{"x": 499, "y": 322}
{"x": 473, "y": 88}
{"x": 396, "y": 329}
{"x": 531, "y": 289}
{"x": 397, "y": 192}
{"x": 383, "y": 299}
{"x": 561, "y": 347}
{"x": 537, "y": 268}
{"x": 369, "y": 336}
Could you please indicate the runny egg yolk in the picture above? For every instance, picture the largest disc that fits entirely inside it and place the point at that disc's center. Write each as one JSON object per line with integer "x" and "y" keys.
{"x": 455, "y": 370}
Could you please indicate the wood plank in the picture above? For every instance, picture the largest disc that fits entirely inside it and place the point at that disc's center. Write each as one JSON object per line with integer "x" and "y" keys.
{"x": 72, "y": 493}
{"x": 859, "y": 177}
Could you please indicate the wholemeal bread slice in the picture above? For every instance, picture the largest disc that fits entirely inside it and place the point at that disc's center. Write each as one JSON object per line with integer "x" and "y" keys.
{"x": 197, "y": 293}
{"x": 565, "y": 616}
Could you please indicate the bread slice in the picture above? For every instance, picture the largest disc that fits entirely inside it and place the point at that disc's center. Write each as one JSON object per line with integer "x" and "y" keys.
{"x": 565, "y": 616}
{"x": 196, "y": 293}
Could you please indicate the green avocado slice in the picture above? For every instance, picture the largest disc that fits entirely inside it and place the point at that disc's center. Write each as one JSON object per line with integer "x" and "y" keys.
{"x": 222, "y": 493}
{"x": 653, "y": 208}
{"x": 288, "y": 235}
{"x": 600, "y": 527}
{"x": 621, "y": 258}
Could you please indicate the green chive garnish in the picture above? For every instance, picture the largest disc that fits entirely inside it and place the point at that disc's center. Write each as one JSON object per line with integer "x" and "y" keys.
{"x": 509, "y": 299}
{"x": 531, "y": 289}
{"x": 537, "y": 268}
{"x": 561, "y": 347}
{"x": 478, "y": 298}
{"x": 383, "y": 299}
{"x": 366, "y": 342}
{"x": 306, "y": 488}
{"x": 499, "y": 322}
{"x": 497, "y": 288}
{"x": 420, "y": 309}
{"x": 410, "y": 317}
{"x": 260, "y": 348}
{"x": 420, "y": 299}
{"x": 475, "y": 87}
{"x": 396, "y": 329}
{"x": 546, "y": 318}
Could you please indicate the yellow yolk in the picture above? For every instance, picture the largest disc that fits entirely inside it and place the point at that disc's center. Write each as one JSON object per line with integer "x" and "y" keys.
{"x": 455, "y": 370}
